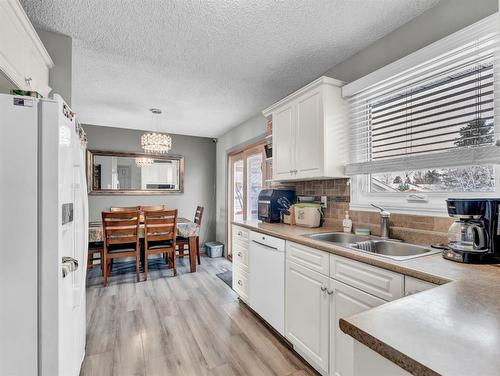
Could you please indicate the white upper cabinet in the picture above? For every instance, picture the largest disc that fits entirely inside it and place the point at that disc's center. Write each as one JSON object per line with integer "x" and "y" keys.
{"x": 24, "y": 61}
{"x": 310, "y": 132}
{"x": 283, "y": 129}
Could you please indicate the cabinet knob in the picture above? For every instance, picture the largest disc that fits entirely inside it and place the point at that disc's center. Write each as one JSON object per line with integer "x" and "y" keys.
{"x": 330, "y": 292}
{"x": 240, "y": 283}
{"x": 239, "y": 233}
{"x": 323, "y": 288}
{"x": 239, "y": 254}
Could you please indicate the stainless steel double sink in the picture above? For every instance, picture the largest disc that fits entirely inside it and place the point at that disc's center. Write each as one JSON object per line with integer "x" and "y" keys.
{"x": 392, "y": 249}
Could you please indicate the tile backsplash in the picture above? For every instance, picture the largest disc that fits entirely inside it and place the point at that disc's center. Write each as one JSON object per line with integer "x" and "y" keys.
{"x": 412, "y": 228}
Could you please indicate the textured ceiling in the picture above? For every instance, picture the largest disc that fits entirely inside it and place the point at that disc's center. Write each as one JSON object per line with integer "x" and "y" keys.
{"x": 209, "y": 65}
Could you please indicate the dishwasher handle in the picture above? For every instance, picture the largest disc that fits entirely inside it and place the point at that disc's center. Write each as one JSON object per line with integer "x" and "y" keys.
{"x": 267, "y": 246}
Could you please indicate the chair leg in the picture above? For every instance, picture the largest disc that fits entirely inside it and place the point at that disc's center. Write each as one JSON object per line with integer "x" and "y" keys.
{"x": 174, "y": 263}
{"x": 101, "y": 261}
{"x": 138, "y": 267}
{"x": 104, "y": 267}
{"x": 198, "y": 250}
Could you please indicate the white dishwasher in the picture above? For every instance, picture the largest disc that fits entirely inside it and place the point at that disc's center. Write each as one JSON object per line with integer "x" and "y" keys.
{"x": 267, "y": 279}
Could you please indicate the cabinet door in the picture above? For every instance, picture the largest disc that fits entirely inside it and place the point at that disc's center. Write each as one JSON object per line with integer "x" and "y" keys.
{"x": 306, "y": 314}
{"x": 309, "y": 135}
{"x": 413, "y": 285}
{"x": 283, "y": 142}
{"x": 346, "y": 301}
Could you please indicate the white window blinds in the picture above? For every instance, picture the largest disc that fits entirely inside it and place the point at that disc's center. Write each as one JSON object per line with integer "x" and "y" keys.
{"x": 434, "y": 108}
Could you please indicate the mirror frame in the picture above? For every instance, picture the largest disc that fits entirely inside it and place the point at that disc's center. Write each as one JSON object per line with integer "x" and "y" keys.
{"x": 138, "y": 192}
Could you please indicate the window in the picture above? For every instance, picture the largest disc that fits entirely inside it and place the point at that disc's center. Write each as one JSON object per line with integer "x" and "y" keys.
{"x": 423, "y": 128}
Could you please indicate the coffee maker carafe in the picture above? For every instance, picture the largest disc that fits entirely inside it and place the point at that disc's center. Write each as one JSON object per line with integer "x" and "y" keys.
{"x": 474, "y": 237}
{"x": 467, "y": 235}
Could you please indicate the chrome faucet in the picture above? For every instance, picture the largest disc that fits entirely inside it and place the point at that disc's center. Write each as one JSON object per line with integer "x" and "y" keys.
{"x": 384, "y": 226}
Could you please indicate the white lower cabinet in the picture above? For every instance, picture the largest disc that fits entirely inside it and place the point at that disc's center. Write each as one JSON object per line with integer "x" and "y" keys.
{"x": 413, "y": 285}
{"x": 240, "y": 243}
{"x": 307, "y": 314}
{"x": 345, "y": 301}
{"x": 240, "y": 283}
{"x": 370, "y": 363}
{"x": 320, "y": 289}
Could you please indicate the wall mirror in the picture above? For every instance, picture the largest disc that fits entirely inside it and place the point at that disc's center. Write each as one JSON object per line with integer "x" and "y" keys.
{"x": 110, "y": 172}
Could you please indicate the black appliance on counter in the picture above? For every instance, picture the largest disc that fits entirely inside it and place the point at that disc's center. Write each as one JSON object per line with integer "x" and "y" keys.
{"x": 474, "y": 237}
{"x": 272, "y": 202}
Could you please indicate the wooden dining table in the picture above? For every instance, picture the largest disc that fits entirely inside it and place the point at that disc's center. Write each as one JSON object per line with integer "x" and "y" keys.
{"x": 185, "y": 228}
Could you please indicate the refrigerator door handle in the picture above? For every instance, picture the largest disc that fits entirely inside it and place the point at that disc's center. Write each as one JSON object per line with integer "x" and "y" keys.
{"x": 69, "y": 265}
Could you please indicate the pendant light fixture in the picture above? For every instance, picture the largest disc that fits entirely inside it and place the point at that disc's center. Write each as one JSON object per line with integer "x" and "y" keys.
{"x": 156, "y": 142}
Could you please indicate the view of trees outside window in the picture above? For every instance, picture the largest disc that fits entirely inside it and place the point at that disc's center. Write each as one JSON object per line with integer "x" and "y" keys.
{"x": 478, "y": 132}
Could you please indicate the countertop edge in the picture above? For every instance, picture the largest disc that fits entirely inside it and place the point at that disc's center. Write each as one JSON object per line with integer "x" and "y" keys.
{"x": 400, "y": 359}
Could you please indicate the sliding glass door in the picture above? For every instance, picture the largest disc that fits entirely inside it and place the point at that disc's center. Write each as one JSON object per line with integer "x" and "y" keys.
{"x": 246, "y": 179}
{"x": 254, "y": 183}
{"x": 238, "y": 191}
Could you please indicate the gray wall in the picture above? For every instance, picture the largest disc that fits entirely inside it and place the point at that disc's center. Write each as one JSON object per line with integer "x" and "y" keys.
{"x": 60, "y": 49}
{"x": 447, "y": 17}
{"x": 246, "y": 133}
{"x": 199, "y": 178}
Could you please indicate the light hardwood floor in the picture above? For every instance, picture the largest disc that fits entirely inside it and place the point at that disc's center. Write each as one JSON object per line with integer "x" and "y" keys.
{"x": 192, "y": 324}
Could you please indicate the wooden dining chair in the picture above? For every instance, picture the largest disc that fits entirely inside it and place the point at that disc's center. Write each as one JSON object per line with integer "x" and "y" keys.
{"x": 124, "y": 208}
{"x": 182, "y": 242}
{"x": 121, "y": 239}
{"x": 152, "y": 207}
{"x": 160, "y": 232}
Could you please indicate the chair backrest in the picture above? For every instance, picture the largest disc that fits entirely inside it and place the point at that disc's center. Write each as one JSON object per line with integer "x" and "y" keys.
{"x": 152, "y": 207}
{"x": 124, "y": 208}
{"x": 198, "y": 215}
{"x": 120, "y": 227}
{"x": 160, "y": 225}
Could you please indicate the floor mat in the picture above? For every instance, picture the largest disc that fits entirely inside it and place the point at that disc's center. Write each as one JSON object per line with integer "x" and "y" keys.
{"x": 227, "y": 277}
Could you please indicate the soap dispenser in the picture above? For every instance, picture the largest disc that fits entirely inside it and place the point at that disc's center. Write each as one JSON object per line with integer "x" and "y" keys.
{"x": 347, "y": 222}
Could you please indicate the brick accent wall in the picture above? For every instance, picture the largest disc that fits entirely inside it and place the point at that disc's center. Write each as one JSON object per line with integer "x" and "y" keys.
{"x": 412, "y": 228}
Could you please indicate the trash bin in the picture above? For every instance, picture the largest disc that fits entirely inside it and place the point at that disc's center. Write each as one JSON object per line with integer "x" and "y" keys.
{"x": 214, "y": 249}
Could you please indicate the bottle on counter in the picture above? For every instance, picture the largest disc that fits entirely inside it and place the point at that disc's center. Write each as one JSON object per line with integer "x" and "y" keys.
{"x": 347, "y": 222}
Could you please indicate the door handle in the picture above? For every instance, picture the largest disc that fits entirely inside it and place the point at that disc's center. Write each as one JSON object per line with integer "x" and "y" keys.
{"x": 265, "y": 245}
{"x": 69, "y": 265}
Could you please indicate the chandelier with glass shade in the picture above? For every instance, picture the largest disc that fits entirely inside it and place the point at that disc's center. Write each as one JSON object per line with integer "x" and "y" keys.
{"x": 156, "y": 142}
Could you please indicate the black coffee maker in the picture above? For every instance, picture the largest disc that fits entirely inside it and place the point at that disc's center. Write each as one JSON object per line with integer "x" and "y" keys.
{"x": 474, "y": 237}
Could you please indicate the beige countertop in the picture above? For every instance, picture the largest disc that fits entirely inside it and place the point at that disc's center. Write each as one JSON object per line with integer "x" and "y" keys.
{"x": 452, "y": 329}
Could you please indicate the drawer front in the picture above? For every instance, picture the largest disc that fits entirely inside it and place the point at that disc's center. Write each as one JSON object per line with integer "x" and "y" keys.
{"x": 240, "y": 256}
{"x": 311, "y": 258}
{"x": 414, "y": 285}
{"x": 240, "y": 233}
{"x": 240, "y": 283}
{"x": 382, "y": 283}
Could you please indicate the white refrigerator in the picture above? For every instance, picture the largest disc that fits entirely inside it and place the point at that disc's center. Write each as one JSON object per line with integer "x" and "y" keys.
{"x": 43, "y": 238}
